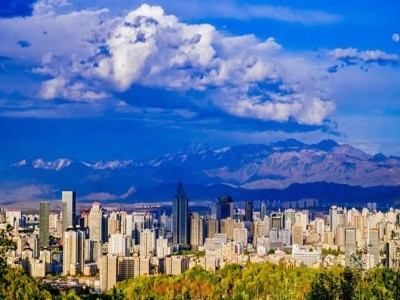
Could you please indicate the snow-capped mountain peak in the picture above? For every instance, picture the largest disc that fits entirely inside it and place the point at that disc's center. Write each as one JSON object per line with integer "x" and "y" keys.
{"x": 19, "y": 164}
{"x": 56, "y": 165}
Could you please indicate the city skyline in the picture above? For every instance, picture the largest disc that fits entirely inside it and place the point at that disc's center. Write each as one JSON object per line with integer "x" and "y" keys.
{"x": 199, "y": 149}
{"x": 306, "y": 71}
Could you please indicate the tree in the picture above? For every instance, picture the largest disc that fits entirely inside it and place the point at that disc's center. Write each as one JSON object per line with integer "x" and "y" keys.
{"x": 348, "y": 284}
{"x": 324, "y": 287}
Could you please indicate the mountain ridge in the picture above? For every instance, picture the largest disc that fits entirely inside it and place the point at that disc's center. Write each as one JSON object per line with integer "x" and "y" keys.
{"x": 276, "y": 165}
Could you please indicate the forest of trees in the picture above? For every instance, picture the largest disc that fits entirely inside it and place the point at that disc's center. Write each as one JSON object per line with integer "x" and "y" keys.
{"x": 254, "y": 281}
{"x": 263, "y": 281}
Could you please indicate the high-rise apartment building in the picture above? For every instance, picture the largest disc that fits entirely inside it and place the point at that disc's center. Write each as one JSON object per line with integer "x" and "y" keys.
{"x": 44, "y": 211}
{"x": 147, "y": 242}
{"x": 227, "y": 226}
{"x": 95, "y": 221}
{"x": 211, "y": 227}
{"x": 297, "y": 234}
{"x": 118, "y": 244}
{"x": 180, "y": 225}
{"x": 73, "y": 252}
{"x": 196, "y": 231}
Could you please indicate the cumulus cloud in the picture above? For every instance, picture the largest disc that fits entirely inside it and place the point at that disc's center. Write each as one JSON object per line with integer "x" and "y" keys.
{"x": 151, "y": 48}
{"x": 87, "y": 55}
{"x": 367, "y": 56}
{"x": 58, "y": 87}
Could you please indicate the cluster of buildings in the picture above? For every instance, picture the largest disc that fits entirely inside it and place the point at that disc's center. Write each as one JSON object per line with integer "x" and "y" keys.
{"x": 111, "y": 246}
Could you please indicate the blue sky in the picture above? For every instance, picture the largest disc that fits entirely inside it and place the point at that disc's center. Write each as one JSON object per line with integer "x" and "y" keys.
{"x": 105, "y": 80}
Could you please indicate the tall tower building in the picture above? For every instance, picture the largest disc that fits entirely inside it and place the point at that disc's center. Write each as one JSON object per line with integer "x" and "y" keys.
{"x": 95, "y": 221}
{"x": 333, "y": 223}
{"x": 180, "y": 228}
{"x": 350, "y": 246}
{"x": 374, "y": 247}
{"x": 263, "y": 211}
{"x": 224, "y": 208}
{"x": 44, "y": 224}
{"x": 68, "y": 210}
{"x": 248, "y": 211}
{"x": 196, "y": 231}
{"x": 73, "y": 252}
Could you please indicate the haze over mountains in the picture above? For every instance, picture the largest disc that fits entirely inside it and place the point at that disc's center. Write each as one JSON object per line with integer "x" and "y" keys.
{"x": 207, "y": 172}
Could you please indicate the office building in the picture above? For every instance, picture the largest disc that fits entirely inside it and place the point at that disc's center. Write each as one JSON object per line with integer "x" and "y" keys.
{"x": 248, "y": 211}
{"x": 180, "y": 225}
{"x": 374, "y": 247}
{"x": 68, "y": 210}
{"x": 224, "y": 208}
{"x": 263, "y": 211}
{"x": 44, "y": 212}
{"x": 350, "y": 246}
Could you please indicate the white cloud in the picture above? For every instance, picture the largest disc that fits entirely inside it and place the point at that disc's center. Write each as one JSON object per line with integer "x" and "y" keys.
{"x": 191, "y": 9}
{"x": 58, "y": 87}
{"x": 90, "y": 54}
{"x": 365, "y": 56}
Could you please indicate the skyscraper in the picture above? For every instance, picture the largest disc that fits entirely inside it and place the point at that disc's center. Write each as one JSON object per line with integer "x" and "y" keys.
{"x": 374, "y": 247}
{"x": 248, "y": 211}
{"x": 68, "y": 210}
{"x": 147, "y": 242}
{"x": 224, "y": 208}
{"x": 180, "y": 228}
{"x": 95, "y": 221}
{"x": 263, "y": 211}
{"x": 350, "y": 246}
{"x": 44, "y": 224}
{"x": 333, "y": 218}
{"x": 196, "y": 231}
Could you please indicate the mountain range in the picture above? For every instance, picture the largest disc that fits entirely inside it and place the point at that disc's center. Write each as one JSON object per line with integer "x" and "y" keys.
{"x": 245, "y": 168}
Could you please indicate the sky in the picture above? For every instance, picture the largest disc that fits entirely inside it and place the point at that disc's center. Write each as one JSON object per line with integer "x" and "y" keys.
{"x": 99, "y": 80}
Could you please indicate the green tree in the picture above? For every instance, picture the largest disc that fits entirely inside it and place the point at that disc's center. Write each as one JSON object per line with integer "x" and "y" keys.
{"x": 349, "y": 284}
{"x": 324, "y": 287}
